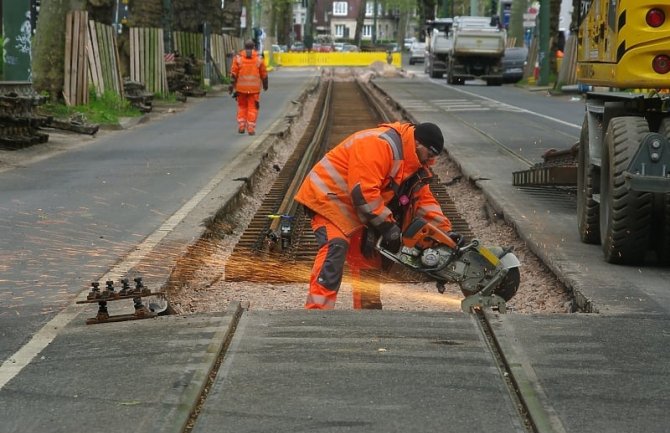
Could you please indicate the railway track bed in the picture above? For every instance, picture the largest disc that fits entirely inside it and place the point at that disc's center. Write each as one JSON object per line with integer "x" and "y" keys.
{"x": 237, "y": 266}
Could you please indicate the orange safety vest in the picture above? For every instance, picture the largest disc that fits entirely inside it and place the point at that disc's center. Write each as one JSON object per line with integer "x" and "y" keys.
{"x": 248, "y": 72}
{"x": 355, "y": 182}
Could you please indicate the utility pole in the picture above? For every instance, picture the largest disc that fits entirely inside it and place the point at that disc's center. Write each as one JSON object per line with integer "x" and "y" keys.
{"x": 543, "y": 55}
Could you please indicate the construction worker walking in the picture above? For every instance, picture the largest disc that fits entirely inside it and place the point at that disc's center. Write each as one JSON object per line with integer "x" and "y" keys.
{"x": 371, "y": 184}
{"x": 247, "y": 74}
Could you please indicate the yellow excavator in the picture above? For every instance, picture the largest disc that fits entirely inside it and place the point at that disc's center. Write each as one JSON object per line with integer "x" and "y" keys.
{"x": 622, "y": 159}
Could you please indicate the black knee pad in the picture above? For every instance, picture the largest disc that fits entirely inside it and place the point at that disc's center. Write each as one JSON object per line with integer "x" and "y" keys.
{"x": 330, "y": 276}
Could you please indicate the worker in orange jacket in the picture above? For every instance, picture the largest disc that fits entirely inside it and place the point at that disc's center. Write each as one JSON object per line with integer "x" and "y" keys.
{"x": 247, "y": 74}
{"x": 372, "y": 183}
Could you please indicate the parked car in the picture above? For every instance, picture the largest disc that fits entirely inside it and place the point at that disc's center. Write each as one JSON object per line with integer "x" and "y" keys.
{"x": 338, "y": 46}
{"x": 350, "y": 48}
{"x": 514, "y": 63}
{"x": 417, "y": 53}
{"x": 277, "y": 49}
{"x": 393, "y": 47}
{"x": 322, "y": 48}
{"x": 408, "y": 43}
{"x": 298, "y": 46}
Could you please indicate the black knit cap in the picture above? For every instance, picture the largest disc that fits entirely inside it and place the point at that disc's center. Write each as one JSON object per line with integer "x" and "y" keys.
{"x": 430, "y": 135}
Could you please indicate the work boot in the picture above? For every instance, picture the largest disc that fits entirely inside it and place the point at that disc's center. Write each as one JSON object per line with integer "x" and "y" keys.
{"x": 252, "y": 132}
{"x": 241, "y": 130}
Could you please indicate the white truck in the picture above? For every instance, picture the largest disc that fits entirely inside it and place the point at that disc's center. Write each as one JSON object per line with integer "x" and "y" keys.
{"x": 438, "y": 46}
{"x": 476, "y": 51}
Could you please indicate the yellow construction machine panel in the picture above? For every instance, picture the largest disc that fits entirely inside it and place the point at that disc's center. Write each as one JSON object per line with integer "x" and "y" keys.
{"x": 617, "y": 46}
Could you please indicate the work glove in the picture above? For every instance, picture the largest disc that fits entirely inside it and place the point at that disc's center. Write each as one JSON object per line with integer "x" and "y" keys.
{"x": 391, "y": 236}
{"x": 231, "y": 88}
{"x": 265, "y": 84}
{"x": 457, "y": 238}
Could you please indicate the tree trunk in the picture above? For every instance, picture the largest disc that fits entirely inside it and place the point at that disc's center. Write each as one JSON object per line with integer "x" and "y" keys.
{"x": 189, "y": 15}
{"x": 554, "y": 14}
{"x": 360, "y": 18}
{"x": 282, "y": 21}
{"x": 49, "y": 46}
{"x": 147, "y": 13}
{"x": 516, "y": 30}
{"x": 101, "y": 11}
{"x": 230, "y": 16}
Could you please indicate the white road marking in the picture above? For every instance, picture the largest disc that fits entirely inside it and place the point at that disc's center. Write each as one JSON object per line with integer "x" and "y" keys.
{"x": 518, "y": 109}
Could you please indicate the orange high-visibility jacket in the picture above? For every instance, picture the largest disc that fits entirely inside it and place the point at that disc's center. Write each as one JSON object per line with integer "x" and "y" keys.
{"x": 353, "y": 184}
{"x": 248, "y": 72}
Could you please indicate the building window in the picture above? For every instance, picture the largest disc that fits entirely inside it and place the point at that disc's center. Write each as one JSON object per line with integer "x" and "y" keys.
{"x": 340, "y": 9}
{"x": 339, "y": 30}
{"x": 367, "y": 31}
{"x": 370, "y": 6}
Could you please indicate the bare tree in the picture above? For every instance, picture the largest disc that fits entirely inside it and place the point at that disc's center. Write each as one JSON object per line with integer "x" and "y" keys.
{"x": 360, "y": 19}
{"x": 554, "y": 15}
{"x": 101, "y": 11}
{"x": 282, "y": 20}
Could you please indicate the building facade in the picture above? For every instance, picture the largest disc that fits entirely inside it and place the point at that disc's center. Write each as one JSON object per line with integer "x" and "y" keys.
{"x": 337, "y": 18}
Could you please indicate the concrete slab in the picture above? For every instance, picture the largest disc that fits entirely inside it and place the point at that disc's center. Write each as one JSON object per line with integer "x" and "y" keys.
{"x": 117, "y": 377}
{"x": 591, "y": 373}
{"x": 369, "y": 371}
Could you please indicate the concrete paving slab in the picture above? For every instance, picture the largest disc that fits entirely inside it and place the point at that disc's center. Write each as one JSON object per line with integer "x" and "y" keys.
{"x": 117, "y": 377}
{"x": 591, "y": 373}
{"x": 306, "y": 371}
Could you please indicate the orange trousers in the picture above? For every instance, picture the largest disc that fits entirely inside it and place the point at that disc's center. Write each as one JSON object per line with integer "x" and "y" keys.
{"x": 247, "y": 111}
{"x": 336, "y": 248}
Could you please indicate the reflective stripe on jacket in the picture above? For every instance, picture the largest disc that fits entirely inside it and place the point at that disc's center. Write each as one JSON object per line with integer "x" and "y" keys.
{"x": 353, "y": 184}
{"x": 248, "y": 72}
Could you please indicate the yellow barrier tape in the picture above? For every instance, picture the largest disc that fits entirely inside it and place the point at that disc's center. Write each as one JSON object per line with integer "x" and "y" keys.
{"x": 334, "y": 59}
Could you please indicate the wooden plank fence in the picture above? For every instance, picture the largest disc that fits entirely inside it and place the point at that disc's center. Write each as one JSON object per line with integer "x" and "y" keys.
{"x": 103, "y": 41}
{"x": 91, "y": 56}
{"x": 532, "y": 59}
{"x": 189, "y": 44}
{"x": 567, "y": 73}
{"x": 147, "y": 59}
{"x": 219, "y": 54}
{"x": 75, "y": 86}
